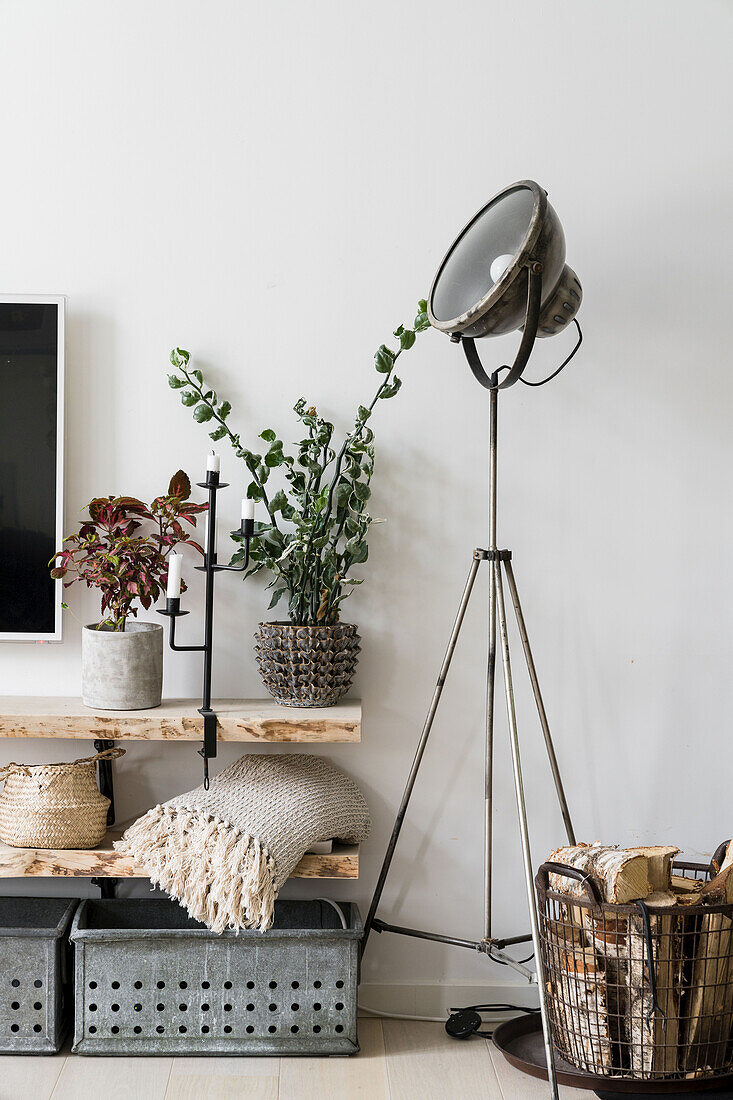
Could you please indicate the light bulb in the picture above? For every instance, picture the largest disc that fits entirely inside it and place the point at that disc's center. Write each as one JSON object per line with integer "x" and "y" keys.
{"x": 499, "y": 266}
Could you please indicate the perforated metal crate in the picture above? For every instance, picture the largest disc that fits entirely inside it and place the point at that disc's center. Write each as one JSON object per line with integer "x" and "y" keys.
{"x": 34, "y": 1002}
{"x": 149, "y": 980}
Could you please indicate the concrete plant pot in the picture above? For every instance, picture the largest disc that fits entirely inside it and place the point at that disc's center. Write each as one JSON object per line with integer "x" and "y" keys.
{"x": 122, "y": 669}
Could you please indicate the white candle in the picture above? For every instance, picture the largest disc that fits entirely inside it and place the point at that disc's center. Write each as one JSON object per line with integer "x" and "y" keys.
{"x": 207, "y": 548}
{"x": 248, "y": 508}
{"x": 212, "y": 462}
{"x": 175, "y": 565}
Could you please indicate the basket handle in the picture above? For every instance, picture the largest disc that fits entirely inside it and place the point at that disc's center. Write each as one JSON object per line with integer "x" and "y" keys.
{"x": 718, "y": 856}
{"x": 13, "y": 767}
{"x": 107, "y": 754}
{"x": 547, "y": 869}
{"x": 25, "y": 769}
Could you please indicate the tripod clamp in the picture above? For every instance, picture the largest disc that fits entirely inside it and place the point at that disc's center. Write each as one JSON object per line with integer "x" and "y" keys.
{"x": 492, "y": 555}
{"x": 494, "y": 949}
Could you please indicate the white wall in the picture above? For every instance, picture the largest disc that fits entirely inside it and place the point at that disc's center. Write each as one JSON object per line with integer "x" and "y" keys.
{"x": 272, "y": 186}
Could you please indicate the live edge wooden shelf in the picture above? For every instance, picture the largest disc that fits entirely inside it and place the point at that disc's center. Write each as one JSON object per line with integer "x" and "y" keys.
{"x": 178, "y": 720}
{"x": 240, "y": 720}
{"x": 105, "y": 862}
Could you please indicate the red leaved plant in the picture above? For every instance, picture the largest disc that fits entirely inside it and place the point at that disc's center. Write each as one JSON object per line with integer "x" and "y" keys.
{"x": 112, "y": 552}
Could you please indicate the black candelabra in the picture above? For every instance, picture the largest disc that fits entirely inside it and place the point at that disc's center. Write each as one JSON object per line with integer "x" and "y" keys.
{"x": 173, "y": 611}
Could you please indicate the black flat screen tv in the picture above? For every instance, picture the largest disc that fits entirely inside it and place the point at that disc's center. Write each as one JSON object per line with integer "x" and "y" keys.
{"x": 31, "y": 465}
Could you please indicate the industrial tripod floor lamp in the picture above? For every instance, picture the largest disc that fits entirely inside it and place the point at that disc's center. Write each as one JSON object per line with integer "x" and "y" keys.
{"x": 505, "y": 271}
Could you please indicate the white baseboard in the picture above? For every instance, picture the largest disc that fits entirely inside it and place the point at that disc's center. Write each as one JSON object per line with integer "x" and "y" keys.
{"x": 437, "y": 998}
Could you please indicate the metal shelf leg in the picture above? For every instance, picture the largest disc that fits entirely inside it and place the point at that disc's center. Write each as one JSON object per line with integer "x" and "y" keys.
{"x": 106, "y": 778}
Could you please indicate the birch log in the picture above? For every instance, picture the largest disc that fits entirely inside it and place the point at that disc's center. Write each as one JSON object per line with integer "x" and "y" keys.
{"x": 607, "y": 935}
{"x": 653, "y": 1035}
{"x": 659, "y": 864}
{"x": 647, "y": 1041}
{"x": 621, "y": 874}
{"x": 578, "y": 1001}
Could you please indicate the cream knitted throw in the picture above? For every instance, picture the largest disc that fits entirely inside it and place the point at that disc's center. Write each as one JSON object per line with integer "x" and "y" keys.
{"x": 225, "y": 853}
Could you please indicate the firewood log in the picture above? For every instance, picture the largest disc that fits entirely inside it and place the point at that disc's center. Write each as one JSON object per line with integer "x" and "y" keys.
{"x": 622, "y": 874}
{"x": 646, "y": 1040}
{"x": 709, "y": 1007}
{"x": 687, "y": 890}
{"x": 653, "y": 1035}
{"x": 659, "y": 868}
{"x": 607, "y": 935}
{"x": 719, "y": 890}
{"x": 577, "y": 991}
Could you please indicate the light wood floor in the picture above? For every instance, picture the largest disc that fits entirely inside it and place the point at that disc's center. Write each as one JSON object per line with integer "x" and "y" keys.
{"x": 399, "y": 1060}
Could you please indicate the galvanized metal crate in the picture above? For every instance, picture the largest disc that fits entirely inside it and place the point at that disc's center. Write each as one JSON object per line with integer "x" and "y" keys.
{"x": 149, "y": 980}
{"x": 34, "y": 1002}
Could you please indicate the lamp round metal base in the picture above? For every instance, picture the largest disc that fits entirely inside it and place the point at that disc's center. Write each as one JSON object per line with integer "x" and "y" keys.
{"x": 521, "y": 1043}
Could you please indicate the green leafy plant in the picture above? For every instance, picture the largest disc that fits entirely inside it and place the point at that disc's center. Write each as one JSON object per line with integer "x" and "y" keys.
{"x": 113, "y": 553}
{"x": 317, "y": 525}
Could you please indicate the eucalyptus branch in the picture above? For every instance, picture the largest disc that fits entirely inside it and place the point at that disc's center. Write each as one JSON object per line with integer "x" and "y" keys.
{"x": 224, "y": 428}
{"x": 383, "y": 356}
{"x": 323, "y": 528}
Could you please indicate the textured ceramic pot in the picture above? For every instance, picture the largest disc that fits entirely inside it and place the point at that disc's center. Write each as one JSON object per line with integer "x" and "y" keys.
{"x": 122, "y": 669}
{"x": 307, "y": 666}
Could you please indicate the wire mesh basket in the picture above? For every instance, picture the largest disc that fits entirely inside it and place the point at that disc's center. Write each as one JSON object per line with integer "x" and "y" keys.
{"x": 640, "y": 991}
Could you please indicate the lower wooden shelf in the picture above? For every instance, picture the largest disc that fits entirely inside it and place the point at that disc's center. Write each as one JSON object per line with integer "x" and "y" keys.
{"x": 105, "y": 862}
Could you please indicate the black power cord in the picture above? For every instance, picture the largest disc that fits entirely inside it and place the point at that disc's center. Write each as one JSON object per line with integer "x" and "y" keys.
{"x": 564, "y": 363}
{"x": 465, "y": 1022}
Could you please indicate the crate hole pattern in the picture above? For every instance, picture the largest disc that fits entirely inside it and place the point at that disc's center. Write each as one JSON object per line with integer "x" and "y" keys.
{"x": 27, "y": 1009}
{"x": 174, "y": 1007}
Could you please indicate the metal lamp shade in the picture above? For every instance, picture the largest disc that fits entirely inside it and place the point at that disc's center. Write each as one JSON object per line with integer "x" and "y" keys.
{"x": 516, "y": 229}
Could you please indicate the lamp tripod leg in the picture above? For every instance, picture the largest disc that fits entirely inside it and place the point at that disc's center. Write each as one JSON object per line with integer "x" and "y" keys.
{"x": 489, "y": 758}
{"x": 564, "y": 809}
{"x": 523, "y": 827}
{"x": 478, "y": 557}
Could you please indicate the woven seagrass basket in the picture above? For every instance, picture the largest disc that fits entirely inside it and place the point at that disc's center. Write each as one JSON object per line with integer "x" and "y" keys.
{"x": 307, "y": 666}
{"x": 54, "y": 805}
